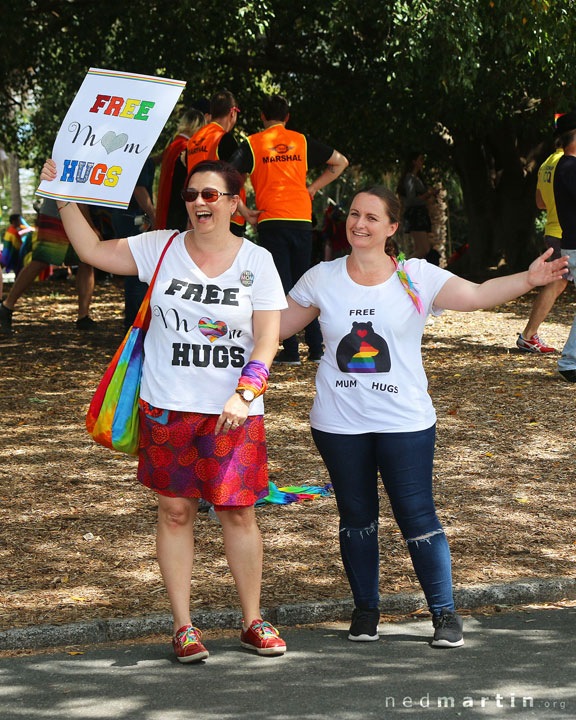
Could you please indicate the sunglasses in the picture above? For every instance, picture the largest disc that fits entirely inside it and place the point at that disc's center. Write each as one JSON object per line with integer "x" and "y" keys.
{"x": 209, "y": 196}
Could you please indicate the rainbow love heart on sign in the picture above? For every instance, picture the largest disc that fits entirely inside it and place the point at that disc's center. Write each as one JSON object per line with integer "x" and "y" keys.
{"x": 212, "y": 329}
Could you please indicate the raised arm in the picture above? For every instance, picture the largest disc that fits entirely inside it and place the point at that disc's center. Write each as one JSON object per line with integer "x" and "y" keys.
{"x": 113, "y": 256}
{"x": 295, "y": 317}
{"x": 460, "y": 294}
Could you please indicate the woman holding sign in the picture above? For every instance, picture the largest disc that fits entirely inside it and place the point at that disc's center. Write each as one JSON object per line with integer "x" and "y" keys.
{"x": 212, "y": 337}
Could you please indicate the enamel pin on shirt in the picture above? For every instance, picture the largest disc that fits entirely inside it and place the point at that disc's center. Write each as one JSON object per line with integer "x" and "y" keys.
{"x": 247, "y": 278}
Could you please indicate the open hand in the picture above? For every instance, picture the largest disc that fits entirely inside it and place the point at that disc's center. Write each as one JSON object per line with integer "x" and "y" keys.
{"x": 541, "y": 272}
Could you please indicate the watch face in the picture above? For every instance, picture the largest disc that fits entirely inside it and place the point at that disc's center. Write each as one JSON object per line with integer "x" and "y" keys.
{"x": 248, "y": 395}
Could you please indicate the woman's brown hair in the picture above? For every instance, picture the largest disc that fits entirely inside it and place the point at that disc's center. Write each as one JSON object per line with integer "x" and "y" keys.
{"x": 393, "y": 210}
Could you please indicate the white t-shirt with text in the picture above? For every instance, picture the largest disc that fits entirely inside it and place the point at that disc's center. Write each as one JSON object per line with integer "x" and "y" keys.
{"x": 371, "y": 377}
{"x": 200, "y": 335}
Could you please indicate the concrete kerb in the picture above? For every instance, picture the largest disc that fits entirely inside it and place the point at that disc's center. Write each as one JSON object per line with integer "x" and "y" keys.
{"x": 470, "y": 597}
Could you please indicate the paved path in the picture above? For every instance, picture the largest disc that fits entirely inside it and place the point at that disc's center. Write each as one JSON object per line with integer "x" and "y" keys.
{"x": 514, "y": 664}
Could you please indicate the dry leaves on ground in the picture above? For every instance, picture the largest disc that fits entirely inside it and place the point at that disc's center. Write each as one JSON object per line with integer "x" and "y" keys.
{"x": 77, "y": 532}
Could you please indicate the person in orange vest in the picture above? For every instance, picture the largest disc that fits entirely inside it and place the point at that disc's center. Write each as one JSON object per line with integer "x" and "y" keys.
{"x": 277, "y": 160}
{"x": 215, "y": 141}
{"x": 170, "y": 208}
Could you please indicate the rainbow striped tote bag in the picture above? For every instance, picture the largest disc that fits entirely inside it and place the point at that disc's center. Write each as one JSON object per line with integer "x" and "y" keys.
{"x": 113, "y": 419}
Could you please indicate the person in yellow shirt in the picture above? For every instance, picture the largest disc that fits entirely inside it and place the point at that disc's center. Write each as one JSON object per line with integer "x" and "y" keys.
{"x": 528, "y": 340}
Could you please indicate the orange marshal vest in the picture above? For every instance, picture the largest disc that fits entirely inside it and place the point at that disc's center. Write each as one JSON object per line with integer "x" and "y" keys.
{"x": 203, "y": 145}
{"x": 279, "y": 174}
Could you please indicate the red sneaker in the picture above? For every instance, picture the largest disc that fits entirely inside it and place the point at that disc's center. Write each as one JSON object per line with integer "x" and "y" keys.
{"x": 264, "y": 638}
{"x": 534, "y": 344}
{"x": 187, "y": 645}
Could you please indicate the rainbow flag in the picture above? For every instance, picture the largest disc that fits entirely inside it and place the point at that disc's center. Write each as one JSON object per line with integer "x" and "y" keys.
{"x": 292, "y": 493}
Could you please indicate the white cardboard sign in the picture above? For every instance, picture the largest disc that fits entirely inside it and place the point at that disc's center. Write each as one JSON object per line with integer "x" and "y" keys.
{"x": 107, "y": 134}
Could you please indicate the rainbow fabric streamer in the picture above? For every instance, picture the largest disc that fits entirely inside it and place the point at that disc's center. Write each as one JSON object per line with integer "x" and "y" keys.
{"x": 407, "y": 282}
{"x": 292, "y": 493}
{"x": 113, "y": 419}
{"x": 254, "y": 377}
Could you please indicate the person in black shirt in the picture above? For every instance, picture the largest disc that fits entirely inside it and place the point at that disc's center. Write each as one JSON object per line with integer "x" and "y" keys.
{"x": 565, "y": 198}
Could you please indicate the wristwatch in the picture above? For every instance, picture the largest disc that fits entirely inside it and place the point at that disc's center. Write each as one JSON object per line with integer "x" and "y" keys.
{"x": 247, "y": 395}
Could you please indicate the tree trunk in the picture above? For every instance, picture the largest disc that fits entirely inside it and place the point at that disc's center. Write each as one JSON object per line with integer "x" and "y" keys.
{"x": 437, "y": 208}
{"x": 471, "y": 165}
{"x": 15, "y": 194}
{"x": 498, "y": 176}
{"x": 516, "y": 163}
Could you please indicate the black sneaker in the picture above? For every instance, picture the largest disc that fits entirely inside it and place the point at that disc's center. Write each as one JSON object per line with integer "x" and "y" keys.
{"x": 315, "y": 356}
{"x": 447, "y": 629}
{"x": 86, "y": 323}
{"x": 568, "y": 375}
{"x": 364, "y": 625}
{"x": 284, "y": 358}
{"x": 5, "y": 318}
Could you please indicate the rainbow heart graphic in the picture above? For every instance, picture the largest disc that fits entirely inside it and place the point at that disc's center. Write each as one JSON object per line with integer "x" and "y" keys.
{"x": 212, "y": 329}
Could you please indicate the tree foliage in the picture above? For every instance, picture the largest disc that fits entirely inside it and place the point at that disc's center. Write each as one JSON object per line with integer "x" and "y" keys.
{"x": 474, "y": 84}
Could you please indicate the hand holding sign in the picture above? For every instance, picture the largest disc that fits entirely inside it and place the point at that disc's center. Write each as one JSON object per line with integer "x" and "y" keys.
{"x": 107, "y": 134}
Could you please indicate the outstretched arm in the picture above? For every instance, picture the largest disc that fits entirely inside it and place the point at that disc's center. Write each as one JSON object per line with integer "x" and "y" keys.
{"x": 295, "y": 317}
{"x": 113, "y": 256}
{"x": 460, "y": 294}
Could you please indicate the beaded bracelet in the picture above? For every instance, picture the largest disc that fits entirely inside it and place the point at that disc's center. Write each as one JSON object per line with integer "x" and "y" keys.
{"x": 63, "y": 206}
{"x": 254, "y": 377}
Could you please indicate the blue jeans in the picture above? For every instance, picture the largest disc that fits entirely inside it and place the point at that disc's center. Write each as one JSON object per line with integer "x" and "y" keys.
{"x": 291, "y": 249}
{"x": 405, "y": 464}
{"x": 568, "y": 358}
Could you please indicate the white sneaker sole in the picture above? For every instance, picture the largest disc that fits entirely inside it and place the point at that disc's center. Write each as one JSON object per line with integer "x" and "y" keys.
{"x": 364, "y": 637}
{"x": 447, "y": 643}
{"x": 193, "y": 658}
{"x": 264, "y": 651}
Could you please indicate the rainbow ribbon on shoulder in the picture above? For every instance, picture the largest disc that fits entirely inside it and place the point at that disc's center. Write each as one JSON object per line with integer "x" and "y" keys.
{"x": 407, "y": 283}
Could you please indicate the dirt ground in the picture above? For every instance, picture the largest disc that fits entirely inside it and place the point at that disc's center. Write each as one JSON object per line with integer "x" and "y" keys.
{"x": 77, "y": 531}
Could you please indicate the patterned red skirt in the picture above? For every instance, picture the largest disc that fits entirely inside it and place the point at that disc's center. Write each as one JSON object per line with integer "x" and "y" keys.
{"x": 180, "y": 456}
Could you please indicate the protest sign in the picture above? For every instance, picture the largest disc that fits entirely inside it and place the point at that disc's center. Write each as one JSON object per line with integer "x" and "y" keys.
{"x": 107, "y": 134}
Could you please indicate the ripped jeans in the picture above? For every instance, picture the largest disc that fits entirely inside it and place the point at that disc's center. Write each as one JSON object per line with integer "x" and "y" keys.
{"x": 405, "y": 463}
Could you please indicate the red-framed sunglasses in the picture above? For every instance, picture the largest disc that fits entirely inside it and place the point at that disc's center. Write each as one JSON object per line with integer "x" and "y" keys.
{"x": 210, "y": 196}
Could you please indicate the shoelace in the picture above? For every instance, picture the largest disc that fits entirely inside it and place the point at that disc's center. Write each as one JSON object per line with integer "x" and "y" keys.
{"x": 537, "y": 340}
{"x": 265, "y": 630}
{"x": 445, "y": 620}
{"x": 190, "y": 636}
